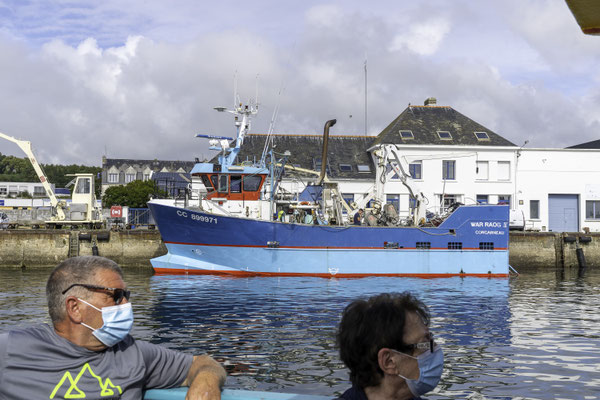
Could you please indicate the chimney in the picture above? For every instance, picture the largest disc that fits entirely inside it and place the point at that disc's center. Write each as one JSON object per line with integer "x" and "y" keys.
{"x": 431, "y": 101}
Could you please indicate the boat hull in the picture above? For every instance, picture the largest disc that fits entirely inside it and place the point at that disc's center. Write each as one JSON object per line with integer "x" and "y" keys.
{"x": 471, "y": 242}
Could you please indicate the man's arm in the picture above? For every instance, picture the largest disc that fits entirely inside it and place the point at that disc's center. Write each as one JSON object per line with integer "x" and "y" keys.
{"x": 205, "y": 379}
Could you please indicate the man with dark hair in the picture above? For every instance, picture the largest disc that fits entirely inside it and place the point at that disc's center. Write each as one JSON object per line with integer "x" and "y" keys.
{"x": 88, "y": 352}
{"x": 386, "y": 344}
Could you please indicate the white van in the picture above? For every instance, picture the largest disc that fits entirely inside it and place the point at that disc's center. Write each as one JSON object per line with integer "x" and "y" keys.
{"x": 516, "y": 220}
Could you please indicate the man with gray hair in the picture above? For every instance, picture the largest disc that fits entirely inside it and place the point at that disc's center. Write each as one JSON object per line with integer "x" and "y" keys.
{"x": 88, "y": 352}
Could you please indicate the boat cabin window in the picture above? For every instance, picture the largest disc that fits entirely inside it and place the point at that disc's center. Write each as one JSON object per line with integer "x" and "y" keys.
{"x": 207, "y": 183}
{"x": 213, "y": 179}
{"x": 83, "y": 186}
{"x": 252, "y": 183}
{"x": 236, "y": 184}
{"x": 223, "y": 184}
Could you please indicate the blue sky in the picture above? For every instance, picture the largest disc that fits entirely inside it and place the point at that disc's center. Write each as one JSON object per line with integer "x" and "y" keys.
{"x": 139, "y": 78}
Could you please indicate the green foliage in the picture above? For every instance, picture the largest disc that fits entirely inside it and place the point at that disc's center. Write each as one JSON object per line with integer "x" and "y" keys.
{"x": 15, "y": 169}
{"x": 135, "y": 194}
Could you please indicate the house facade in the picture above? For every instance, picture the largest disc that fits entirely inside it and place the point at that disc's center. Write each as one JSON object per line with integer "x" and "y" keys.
{"x": 118, "y": 171}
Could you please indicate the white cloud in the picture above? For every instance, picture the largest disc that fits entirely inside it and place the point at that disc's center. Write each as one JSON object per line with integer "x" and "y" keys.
{"x": 422, "y": 38}
{"x": 143, "y": 84}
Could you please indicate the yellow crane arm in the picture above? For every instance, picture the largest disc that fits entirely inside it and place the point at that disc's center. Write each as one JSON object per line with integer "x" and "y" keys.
{"x": 27, "y": 149}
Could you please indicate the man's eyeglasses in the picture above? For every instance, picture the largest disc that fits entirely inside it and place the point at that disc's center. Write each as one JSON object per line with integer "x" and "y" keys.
{"x": 118, "y": 294}
{"x": 423, "y": 345}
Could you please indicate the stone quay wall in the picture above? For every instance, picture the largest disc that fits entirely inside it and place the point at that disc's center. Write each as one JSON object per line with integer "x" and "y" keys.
{"x": 47, "y": 248}
{"x": 134, "y": 248}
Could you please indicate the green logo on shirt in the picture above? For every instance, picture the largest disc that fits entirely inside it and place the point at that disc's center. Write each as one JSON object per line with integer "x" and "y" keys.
{"x": 73, "y": 392}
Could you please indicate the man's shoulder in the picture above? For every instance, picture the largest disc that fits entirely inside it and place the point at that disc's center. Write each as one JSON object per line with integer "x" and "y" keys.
{"x": 354, "y": 393}
{"x": 39, "y": 331}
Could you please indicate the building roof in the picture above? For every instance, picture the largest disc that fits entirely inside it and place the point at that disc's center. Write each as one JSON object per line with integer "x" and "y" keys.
{"x": 154, "y": 165}
{"x": 421, "y": 124}
{"x": 345, "y": 153}
{"x": 594, "y": 144}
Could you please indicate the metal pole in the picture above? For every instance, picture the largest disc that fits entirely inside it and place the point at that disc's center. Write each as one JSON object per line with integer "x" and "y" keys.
{"x": 272, "y": 173}
{"x": 365, "y": 97}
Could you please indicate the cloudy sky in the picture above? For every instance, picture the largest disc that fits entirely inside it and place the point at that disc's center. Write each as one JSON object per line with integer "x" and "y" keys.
{"x": 138, "y": 78}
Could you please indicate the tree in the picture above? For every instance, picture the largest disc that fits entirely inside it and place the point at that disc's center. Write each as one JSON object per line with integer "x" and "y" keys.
{"x": 135, "y": 194}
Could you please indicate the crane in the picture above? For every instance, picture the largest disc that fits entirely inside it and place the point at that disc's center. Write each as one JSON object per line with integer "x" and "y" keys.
{"x": 82, "y": 210}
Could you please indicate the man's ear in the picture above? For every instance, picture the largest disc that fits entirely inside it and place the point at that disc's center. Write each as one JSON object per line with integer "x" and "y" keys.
{"x": 74, "y": 310}
{"x": 393, "y": 363}
{"x": 386, "y": 361}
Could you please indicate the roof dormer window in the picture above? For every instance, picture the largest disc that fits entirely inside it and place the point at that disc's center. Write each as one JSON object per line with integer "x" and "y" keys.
{"x": 363, "y": 168}
{"x": 444, "y": 135}
{"x": 482, "y": 136}
{"x": 406, "y": 135}
{"x": 346, "y": 167}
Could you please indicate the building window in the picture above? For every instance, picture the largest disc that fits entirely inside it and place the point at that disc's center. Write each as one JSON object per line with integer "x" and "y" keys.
{"x": 481, "y": 171}
{"x": 406, "y": 135}
{"x": 3, "y": 190}
{"x": 444, "y": 135}
{"x": 348, "y": 197}
{"x": 415, "y": 169}
{"x": 129, "y": 178}
{"x": 363, "y": 168}
{"x": 592, "y": 209}
{"x": 449, "y": 170}
{"x": 113, "y": 178}
{"x": 504, "y": 199}
{"x": 317, "y": 162}
{"x": 450, "y": 199}
{"x": 393, "y": 199}
{"x": 504, "y": 170}
{"x": 482, "y": 136}
{"x": 39, "y": 191}
{"x": 534, "y": 209}
{"x": 412, "y": 203}
{"x": 370, "y": 203}
{"x": 146, "y": 177}
{"x": 13, "y": 190}
{"x": 345, "y": 167}
{"x": 483, "y": 199}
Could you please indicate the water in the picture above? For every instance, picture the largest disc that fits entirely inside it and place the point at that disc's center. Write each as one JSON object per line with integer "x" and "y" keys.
{"x": 536, "y": 336}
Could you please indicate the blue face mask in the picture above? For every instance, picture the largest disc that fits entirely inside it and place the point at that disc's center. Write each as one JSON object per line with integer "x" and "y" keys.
{"x": 117, "y": 323}
{"x": 431, "y": 366}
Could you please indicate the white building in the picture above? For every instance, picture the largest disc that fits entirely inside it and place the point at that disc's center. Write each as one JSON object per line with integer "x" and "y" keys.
{"x": 15, "y": 189}
{"x": 452, "y": 158}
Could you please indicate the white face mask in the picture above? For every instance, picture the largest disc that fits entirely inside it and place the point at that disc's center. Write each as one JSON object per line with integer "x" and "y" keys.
{"x": 431, "y": 366}
{"x": 118, "y": 321}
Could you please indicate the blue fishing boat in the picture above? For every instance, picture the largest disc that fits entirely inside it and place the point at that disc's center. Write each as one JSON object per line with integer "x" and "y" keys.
{"x": 468, "y": 240}
{"x": 472, "y": 241}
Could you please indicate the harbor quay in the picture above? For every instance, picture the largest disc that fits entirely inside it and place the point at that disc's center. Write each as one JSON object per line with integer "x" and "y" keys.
{"x": 42, "y": 248}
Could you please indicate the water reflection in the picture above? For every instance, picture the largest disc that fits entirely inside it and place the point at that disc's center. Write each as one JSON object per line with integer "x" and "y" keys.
{"x": 534, "y": 337}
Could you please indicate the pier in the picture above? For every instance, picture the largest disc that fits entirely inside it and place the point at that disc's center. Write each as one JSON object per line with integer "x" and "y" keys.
{"x": 35, "y": 248}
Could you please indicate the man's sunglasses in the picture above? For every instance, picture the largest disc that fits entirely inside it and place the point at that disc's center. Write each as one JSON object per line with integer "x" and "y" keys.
{"x": 118, "y": 294}
{"x": 429, "y": 345}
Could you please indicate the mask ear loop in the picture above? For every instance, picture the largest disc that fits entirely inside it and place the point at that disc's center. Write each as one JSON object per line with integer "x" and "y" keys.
{"x": 91, "y": 305}
{"x": 409, "y": 356}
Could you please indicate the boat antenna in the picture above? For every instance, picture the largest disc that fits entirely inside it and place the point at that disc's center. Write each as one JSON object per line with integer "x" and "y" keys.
{"x": 365, "y": 95}
{"x": 269, "y": 138}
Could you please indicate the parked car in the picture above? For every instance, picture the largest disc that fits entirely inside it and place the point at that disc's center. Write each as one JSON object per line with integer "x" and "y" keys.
{"x": 516, "y": 220}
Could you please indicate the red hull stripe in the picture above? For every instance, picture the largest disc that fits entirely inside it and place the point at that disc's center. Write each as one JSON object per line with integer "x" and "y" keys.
{"x": 243, "y": 274}
{"x": 325, "y": 248}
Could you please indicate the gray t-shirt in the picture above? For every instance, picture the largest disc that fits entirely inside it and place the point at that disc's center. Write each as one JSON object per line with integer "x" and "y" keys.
{"x": 36, "y": 363}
